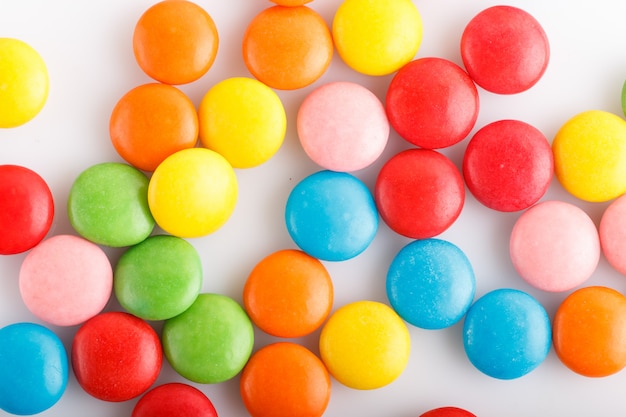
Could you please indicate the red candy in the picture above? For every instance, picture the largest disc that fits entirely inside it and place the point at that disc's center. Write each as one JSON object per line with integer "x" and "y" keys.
{"x": 26, "y": 209}
{"x": 432, "y": 103}
{"x": 505, "y": 50}
{"x": 508, "y": 165}
{"x": 174, "y": 400}
{"x": 419, "y": 193}
{"x": 448, "y": 412}
{"x": 116, "y": 356}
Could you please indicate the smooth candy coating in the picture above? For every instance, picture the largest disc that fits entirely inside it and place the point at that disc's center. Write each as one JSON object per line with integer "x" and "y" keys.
{"x": 285, "y": 380}
{"x": 66, "y": 280}
{"x": 377, "y": 37}
{"x": 365, "y": 345}
{"x": 108, "y": 205}
{"x": 331, "y": 216}
{"x": 447, "y": 412}
{"x": 33, "y": 368}
{"x": 431, "y": 283}
{"x": 291, "y": 3}
{"x": 505, "y": 50}
{"x": 151, "y": 122}
{"x": 116, "y": 356}
{"x": 590, "y": 156}
{"x": 623, "y": 98}
{"x": 342, "y": 126}
{"x": 287, "y": 48}
{"x": 554, "y": 246}
{"x": 506, "y": 334}
{"x": 243, "y": 120}
{"x": 24, "y": 82}
{"x": 158, "y": 278}
{"x": 288, "y": 294}
{"x": 26, "y": 209}
{"x": 612, "y": 231}
{"x": 174, "y": 399}
{"x": 589, "y": 333}
{"x": 193, "y": 192}
{"x": 508, "y": 165}
{"x": 419, "y": 193}
{"x": 175, "y": 41}
{"x": 211, "y": 341}
{"x": 432, "y": 103}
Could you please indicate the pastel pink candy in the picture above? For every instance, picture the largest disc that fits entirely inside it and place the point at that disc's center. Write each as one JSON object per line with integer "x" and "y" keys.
{"x": 342, "y": 126}
{"x": 555, "y": 246}
{"x": 65, "y": 280}
{"x": 613, "y": 234}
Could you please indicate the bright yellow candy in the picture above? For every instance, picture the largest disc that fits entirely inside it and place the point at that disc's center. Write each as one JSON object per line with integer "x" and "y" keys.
{"x": 377, "y": 37}
{"x": 192, "y": 192}
{"x": 590, "y": 156}
{"x": 24, "y": 82}
{"x": 243, "y": 120}
{"x": 365, "y": 345}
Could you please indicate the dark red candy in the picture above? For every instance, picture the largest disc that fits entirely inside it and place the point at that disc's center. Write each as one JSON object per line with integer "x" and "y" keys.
{"x": 448, "y": 412}
{"x": 174, "y": 399}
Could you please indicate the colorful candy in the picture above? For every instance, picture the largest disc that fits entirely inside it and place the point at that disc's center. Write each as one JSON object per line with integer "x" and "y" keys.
{"x": 612, "y": 231}
{"x": 174, "y": 399}
{"x": 447, "y": 412}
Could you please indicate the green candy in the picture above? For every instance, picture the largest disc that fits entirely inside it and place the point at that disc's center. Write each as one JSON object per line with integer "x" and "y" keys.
{"x": 158, "y": 278}
{"x": 108, "y": 205}
{"x": 623, "y": 101}
{"x": 210, "y": 342}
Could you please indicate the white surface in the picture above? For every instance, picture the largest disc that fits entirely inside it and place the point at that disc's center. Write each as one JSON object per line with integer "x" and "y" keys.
{"x": 87, "y": 47}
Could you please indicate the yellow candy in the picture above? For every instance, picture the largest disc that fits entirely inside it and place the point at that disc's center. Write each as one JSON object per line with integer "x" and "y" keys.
{"x": 192, "y": 192}
{"x": 590, "y": 156}
{"x": 24, "y": 83}
{"x": 377, "y": 37}
{"x": 365, "y": 345}
{"x": 243, "y": 120}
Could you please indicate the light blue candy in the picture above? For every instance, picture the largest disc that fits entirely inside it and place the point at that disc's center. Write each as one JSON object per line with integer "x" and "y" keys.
{"x": 331, "y": 215}
{"x": 431, "y": 284}
{"x": 506, "y": 334}
{"x": 33, "y": 368}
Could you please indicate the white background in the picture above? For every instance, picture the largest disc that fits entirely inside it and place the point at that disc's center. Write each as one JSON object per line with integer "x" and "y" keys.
{"x": 87, "y": 47}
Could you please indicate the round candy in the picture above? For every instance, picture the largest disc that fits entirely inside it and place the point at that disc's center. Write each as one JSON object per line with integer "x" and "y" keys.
{"x": 116, "y": 356}
{"x": 24, "y": 82}
{"x": 33, "y": 368}
{"x": 342, "y": 126}
{"x": 193, "y": 192}
{"x": 291, "y": 3}
{"x": 447, "y": 412}
{"x": 158, "y": 278}
{"x": 505, "y": 50}
{"x": 285, "y": 380}
{"x": 66, "y": 280}
{"x": 174, "y": 399}
{"x": 432, "y": 103}
{"x": 331, "y": 216}
{"x": 365, "y": 345}
{"x": 288, "y": 294}
{"x": 590, "y": 156}
{"x": 26, "y": 209}
{"x": 612, "y": 233}
{"x": 508, "y": 165}
{"x": 377, "y": 37}
{"x": 589, "y": 334}
{"x": 151, "y": 122}
{"x": 431, "y": 283}
{"x": 243, "y": 120}
{"x": 175, "y": 41}
{"x": 108, "y": 205}
{"x": 419, "y": 193}
{"x": 211, "y": 341}
{"x": 506, "y": 334}
{"x": 554, "y": 246}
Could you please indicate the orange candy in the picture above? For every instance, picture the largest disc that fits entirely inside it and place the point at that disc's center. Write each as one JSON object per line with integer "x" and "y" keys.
{"x": 285, "y": 380}
{"x": 175, "y": 42}
{"x": 288, "y": 294}
{"x": 291, "y": 3}
{"x": 287, "y": 47}
{"x": 588, "y": 333}
{"x": 151, "y": 122}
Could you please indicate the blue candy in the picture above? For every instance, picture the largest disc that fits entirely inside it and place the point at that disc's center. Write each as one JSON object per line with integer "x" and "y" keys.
{"x": 33, "y": 368}
{"x": 331, "y": 215}
{"x": 506, "y": 334}
{"x": 431, "y": 284}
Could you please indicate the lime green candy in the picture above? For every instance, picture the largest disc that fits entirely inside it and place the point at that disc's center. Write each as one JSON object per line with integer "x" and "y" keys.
{"x": 211, "y": 341}
{"x": 108, "y": 205}
{"x": 158, "y": 278}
